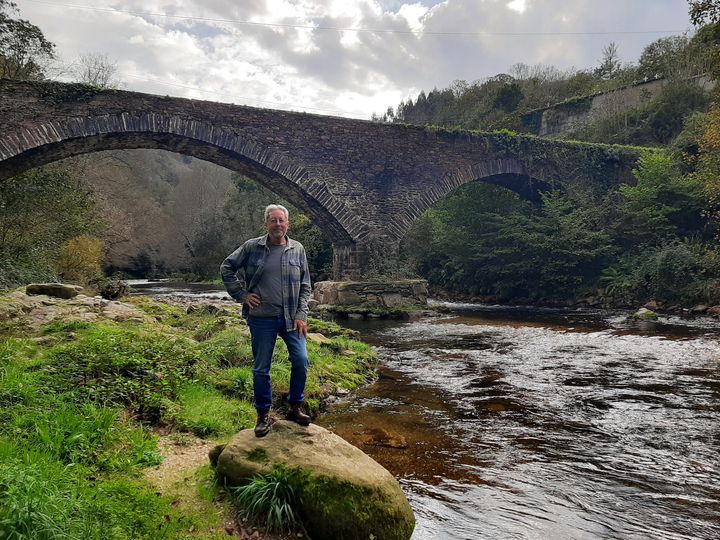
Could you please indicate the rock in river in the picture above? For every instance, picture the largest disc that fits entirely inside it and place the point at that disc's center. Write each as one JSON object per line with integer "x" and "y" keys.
{"x": 346, "y": 494}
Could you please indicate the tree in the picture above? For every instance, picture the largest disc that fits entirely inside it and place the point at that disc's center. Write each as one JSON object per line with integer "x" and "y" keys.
{"x": 704, "y": 11}
{"x": 24, "y": 50}
{"x": 80, "y": 259}
{"x": 508, "y": 97}
{"x": 610, "y": 62}
{"x": 39, "y": 210}
{"x": 661, "y": 57}
{"x": 664, "y": 205}
{"x": 96, "y": 69}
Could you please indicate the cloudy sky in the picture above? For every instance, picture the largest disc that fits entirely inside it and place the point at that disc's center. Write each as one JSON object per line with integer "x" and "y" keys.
{"x": 342, "y": 57}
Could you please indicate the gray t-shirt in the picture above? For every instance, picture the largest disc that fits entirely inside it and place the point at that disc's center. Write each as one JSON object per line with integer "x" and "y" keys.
{"x": 270, "y": 285}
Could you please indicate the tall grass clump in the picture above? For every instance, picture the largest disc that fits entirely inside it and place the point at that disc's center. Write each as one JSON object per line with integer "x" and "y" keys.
{"x": 274, "y": 499}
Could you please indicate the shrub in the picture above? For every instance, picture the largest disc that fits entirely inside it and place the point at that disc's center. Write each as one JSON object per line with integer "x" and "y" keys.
{"x": 80, "y": 259}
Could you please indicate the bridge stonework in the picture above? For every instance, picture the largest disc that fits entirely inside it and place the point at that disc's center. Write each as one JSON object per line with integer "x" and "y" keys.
{"x": 363, "y": 183}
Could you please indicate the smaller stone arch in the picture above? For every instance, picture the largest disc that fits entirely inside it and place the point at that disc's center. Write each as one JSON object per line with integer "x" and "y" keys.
{"x": 509, "y": 173}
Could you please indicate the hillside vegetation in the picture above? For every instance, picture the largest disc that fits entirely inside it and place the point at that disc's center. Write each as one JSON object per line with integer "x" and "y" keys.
{"x": 656, "y": 240}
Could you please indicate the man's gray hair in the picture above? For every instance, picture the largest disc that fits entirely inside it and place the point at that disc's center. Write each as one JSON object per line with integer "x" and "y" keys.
{"x": 272, "y": 207}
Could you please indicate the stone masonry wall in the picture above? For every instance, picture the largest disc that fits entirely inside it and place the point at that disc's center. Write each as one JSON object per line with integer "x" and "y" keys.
{"x": 371, "y": 294}
{"x": 560, "y": 118}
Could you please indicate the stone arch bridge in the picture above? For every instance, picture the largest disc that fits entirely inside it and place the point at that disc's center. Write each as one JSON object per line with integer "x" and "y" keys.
{"x": 363, "y": 183}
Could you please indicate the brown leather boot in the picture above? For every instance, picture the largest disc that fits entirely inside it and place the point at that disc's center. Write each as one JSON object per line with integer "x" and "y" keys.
{"x": 262, "y": 427}
{"x": 296, "y": 414}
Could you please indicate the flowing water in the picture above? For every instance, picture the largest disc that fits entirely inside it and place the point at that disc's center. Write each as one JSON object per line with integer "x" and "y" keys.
{"x": 544, "y": 424}
{"x": 512, "y": 423}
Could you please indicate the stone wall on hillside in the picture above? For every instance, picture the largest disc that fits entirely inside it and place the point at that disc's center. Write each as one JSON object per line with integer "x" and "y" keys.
{"x": 572, "y": 114}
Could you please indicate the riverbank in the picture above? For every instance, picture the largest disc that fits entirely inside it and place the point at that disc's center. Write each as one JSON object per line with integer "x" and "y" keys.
{"x": 657, "y": 306}
{"x": 97, "y": 396}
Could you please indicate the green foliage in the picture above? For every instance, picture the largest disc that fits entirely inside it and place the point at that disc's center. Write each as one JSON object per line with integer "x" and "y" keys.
{"x": 673, "y": 272}
{"x": 24, "y": 50}
{"x": 236, "y": 381}
{"x": 79, "y": 259}
{"x": 654, "y": 123}
{"x": 330, "y": 328}
{"x": 109, "y": 365}
{"x": 64, "y": 92}
{"x": 274, "y": 498}
{"x": 650, "y": 240}
{"x": 41, "y": 498}
{"x": 484, "y": 240}
{"x": 702, "y": 11}
{"x": 664, "y": 204}
{"x": 70, "y": 434}
{"x": 228, "y": 348}
{"x": 41, "y": 210}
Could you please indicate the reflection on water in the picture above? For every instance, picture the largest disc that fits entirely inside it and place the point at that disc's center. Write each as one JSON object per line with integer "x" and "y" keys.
{"x": 512, "y": 423}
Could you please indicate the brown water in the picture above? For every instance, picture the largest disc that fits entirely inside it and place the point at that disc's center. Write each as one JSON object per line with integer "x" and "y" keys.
{"x": 512, "y": 423}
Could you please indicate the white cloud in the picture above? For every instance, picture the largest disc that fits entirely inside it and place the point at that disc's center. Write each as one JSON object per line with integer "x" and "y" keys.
{"x": 517, "y": 5}
{"x": 211, "y": 54}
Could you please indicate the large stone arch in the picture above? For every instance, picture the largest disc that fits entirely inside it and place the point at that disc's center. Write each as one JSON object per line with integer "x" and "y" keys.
{"x": 59, "y": 139}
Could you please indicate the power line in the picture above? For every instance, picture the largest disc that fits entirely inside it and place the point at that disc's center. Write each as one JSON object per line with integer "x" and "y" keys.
{"x": 341, "y": 29}
{"x": 276, "y": 103}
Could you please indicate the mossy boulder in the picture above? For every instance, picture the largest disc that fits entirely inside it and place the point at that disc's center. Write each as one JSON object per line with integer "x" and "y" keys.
{"x": 345, "y": 494}
{"x": 58, "y": 290}
{"x": 643, "y": 314}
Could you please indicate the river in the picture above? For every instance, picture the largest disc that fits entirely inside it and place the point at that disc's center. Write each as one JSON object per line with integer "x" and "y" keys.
{"x": 534, "y": 423}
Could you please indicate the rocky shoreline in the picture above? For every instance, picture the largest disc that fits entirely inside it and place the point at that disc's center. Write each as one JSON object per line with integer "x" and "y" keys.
{"x": 587, "y": 302}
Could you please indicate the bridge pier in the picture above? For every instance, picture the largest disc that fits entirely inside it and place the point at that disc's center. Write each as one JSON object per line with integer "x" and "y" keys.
{"x": 366, "y": 260}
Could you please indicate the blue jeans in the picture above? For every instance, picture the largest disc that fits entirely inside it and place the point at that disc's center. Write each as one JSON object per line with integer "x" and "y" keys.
{"x": 264, "y": 333}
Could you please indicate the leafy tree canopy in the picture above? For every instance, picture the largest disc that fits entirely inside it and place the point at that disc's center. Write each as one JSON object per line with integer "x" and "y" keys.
{"x": 24, "y": 50}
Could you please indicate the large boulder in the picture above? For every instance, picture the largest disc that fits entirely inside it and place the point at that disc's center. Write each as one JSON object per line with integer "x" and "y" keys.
{"x": 346, "y": 495}
{"x": 58, "y": 290}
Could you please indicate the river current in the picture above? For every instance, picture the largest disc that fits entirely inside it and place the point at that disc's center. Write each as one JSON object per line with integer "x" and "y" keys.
{"x": 528, "y": 423}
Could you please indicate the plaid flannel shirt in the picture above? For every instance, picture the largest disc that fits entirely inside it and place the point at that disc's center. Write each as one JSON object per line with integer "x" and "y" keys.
{"x": 242, "y": 269}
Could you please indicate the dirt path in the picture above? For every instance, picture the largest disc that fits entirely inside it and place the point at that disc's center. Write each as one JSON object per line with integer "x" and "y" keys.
{"x": 179, "y": 477}
{"x": 183, "y": 456}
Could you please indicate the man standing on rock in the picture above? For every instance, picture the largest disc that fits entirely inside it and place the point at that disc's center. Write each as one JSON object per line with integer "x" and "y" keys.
{"x": 270, "y": 276}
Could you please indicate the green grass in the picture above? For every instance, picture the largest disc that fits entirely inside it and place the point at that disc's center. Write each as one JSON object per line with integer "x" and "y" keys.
{"x": 42, "y": 498}
{"x": 206, "y": 412}
{"x": 79, "y": 403}
{"x": 229, "y": 348}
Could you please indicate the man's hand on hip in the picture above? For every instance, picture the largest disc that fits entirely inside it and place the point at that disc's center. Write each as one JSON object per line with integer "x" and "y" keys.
{"x": 252, "y": 300}
{"x": 301, "y": 327}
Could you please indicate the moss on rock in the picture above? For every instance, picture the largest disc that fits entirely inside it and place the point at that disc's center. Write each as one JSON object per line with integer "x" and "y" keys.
{"x": 344, "y": 493}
